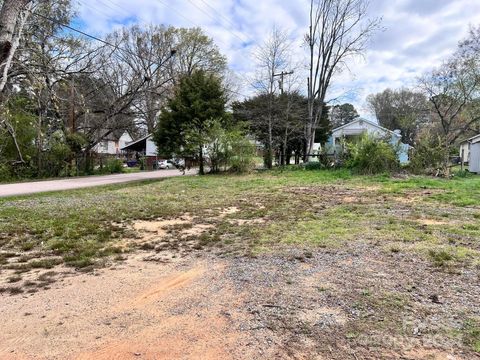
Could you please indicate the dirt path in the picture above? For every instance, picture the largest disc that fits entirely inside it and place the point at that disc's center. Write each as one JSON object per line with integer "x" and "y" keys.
{"x": 84, "y": 182}
{"x": 135, "y": 310}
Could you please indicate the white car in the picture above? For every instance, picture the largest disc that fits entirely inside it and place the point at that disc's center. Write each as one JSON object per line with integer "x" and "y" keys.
{"x": 165, "y": 164}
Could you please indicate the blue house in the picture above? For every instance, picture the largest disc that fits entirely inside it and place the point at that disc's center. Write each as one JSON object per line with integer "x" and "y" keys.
{"x": 356, "y": 129}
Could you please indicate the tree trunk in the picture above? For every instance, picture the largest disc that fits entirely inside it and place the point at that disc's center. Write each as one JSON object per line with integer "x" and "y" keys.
{"x": 200, "y": 158}
{"x": 446, "y": 160}
{"x": 283, "y": 160}
{"x": 10, "y": 14}
{"x": 269, "y": 160}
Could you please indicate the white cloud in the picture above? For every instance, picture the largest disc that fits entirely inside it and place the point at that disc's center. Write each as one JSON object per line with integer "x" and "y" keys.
{"x": 418, "y": 34}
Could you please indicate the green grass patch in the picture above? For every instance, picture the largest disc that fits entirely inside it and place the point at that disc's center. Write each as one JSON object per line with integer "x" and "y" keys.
{"x": 83, "y": 226}
{"x": 471, "y": 334}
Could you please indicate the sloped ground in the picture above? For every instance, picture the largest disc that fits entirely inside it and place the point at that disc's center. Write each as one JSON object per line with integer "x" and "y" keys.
{"x": 296, "y": 265}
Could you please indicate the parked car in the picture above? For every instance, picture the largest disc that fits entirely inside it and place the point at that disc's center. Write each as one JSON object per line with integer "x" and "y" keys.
{"x": 165, "y": 164}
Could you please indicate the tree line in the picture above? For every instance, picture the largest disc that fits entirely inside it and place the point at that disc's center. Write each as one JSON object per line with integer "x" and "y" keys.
{"x": 63, "y": 93}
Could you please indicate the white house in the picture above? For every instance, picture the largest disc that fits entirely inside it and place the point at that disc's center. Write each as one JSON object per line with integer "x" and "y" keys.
{"x": 113, "y": 143}
{"x": 357, "y": 128}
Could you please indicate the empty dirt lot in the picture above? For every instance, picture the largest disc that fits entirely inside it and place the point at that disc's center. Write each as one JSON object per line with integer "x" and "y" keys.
{"x": 295, "y": 266}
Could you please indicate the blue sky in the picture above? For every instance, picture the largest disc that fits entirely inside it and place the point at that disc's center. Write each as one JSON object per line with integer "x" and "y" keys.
{"x": 417, "y": 34}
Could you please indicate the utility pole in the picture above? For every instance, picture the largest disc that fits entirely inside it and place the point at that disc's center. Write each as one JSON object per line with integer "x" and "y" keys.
{"x": 282, "y": 74}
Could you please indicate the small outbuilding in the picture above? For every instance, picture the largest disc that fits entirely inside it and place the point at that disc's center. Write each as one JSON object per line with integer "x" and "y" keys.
{"x": 465, "y": 147}
{"x": 143, "y": 148}
{"x": 474, "y": 154}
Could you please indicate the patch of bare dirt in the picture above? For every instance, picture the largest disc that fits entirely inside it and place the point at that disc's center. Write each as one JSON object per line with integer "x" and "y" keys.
{"x": 295, "y": 304}
{"x": 247, "y": 221}
{"x": 417, "y": 196}
{"x": 229, "y": 211}
{"x": 429, "y": 222}
{"x": 159, "y": 226}
{"x": 135, "y": 310}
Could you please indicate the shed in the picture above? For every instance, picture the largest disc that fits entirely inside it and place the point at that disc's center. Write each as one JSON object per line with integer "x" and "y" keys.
{"x": 474, "y": 163}
{"x": 143, "y": 147}
{"x": 465, "y": 147}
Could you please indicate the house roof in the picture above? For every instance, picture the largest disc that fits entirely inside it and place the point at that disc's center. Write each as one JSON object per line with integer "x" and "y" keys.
{"x": 135, "y": 143}
{"x": 369, "y": 122}
{"x": 473, "y": 139}
{"x": 115, "y": 135}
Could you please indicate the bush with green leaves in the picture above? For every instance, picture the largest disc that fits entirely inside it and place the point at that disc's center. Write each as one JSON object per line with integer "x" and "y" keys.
{"x": 242, "y": 153}
{"x": 372, "y": 155}
{"x": 114, "y": 166}
{"x": 427, "y": 155}
{"x": 5, "y": 173}
{"x": 228, "y": 148}
{"x": 314, "y": 166}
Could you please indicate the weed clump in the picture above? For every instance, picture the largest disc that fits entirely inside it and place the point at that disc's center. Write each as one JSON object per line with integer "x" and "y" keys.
{"x": 440, "y": 258}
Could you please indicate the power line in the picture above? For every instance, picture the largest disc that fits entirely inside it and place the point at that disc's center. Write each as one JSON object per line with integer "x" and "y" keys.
{"x": 114, "y": 4}
{"x": 194, "y": 23}
{"x": 105, "y": 42}
{"x": 226, "y": 19}
{"x": 100, "y": 10}
{"x": 188, "y": 20}
{"x": 206, "y": 13}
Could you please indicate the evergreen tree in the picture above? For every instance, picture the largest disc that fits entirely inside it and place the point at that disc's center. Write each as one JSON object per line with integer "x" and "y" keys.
{"x": 342, "y": 114}
{"x": 186, "y": 121}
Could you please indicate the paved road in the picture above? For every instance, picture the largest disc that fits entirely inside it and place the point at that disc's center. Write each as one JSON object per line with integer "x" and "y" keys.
{"x": 84, "y": 182}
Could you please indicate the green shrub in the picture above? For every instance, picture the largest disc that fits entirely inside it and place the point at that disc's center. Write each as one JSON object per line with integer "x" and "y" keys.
{"x": 427, "y": 155}
{"x": 371, "y": 155}
{"x": 5, "y": 173}
{"x": 229, "y": 149}
{"x": 314, "y": 166}
{"x": 114, "y": 166}
{"x": 463, "y": 174}
{"x": 242, "y": 156}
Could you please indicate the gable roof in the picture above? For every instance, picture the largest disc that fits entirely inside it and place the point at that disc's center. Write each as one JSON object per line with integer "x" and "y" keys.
{"x": 370, "y": 123}
{"x": 115, "y": 135}
{"x": 473, "y": 139}
{"x": 133, "y": 143}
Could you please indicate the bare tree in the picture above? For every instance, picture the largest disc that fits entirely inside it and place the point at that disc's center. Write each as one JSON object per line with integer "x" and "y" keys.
{"x": 453, "y": 91}
{"x": 147, "y": 52}
{"x": 272, "y": 57}
{"x": 196, "y": 51}
{"x": 339, "y": 29}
